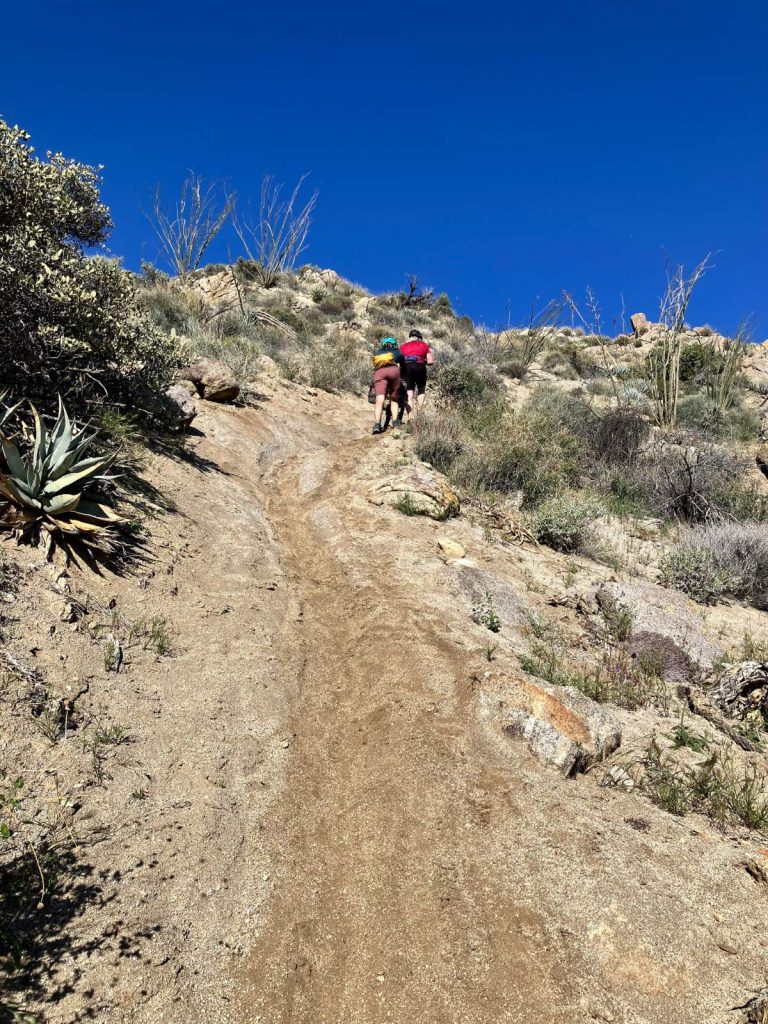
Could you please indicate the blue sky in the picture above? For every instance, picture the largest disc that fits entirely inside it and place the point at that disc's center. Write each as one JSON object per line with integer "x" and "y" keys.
{"x": 500, "y": 152}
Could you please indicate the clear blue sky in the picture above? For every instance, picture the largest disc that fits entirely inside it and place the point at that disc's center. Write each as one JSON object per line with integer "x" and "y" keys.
{"x": 501, "y": 152}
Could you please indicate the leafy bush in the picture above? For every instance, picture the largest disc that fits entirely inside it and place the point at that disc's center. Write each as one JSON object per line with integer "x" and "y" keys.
{"x": 697, "y": 358}
{"x": 562, "y": 520}
{"x": 724, "y": 559}
{"x": 463, "y": 383}
{"x": 484, "y": 614}
{"x": 68, "y": 323}
{"x": 522, "y": 453}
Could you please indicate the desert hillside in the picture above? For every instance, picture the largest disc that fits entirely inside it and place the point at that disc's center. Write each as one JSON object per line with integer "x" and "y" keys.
{"x": 462, "y": 722}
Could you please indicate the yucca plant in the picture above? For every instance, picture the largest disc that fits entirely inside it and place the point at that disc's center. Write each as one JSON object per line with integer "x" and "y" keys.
{"x": 47, "y": 490}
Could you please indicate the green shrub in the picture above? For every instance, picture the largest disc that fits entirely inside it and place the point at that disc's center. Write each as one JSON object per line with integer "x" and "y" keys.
{"x": 723, "y": 559}
{"x": 695, "y": 571}
{"x": 336, "y": 365}
{"x": 523, "y": 453}
{"x": 463, "y": 383}
{"x": 697, "y": 360}
{"x": 290, "y": 319}
{"x": 562, "y": 521}
{"x": 442, "y": 305}
{"x": 336, "y": 305}
{"x": 69, "y": 323}
{"x": 484, "y": 614}
{"x": 169, "y": 308}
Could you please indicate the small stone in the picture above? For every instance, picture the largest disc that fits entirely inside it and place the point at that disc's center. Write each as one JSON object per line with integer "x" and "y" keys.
{"x": 450, "y": 548}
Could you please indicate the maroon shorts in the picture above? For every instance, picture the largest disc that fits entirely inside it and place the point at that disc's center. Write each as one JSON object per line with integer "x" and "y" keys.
{"x": 386, "y": 381}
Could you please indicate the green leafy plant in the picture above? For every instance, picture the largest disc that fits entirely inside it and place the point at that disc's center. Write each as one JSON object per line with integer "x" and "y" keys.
{"x": 69, "y": 322}
{"x": 562, "y": 520}
{"x": 48, "y": 489}
{"x": 484, "y": 614}
{"x": 682, "y": 736}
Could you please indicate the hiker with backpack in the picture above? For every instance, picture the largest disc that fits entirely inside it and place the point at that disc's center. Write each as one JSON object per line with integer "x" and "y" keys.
{"x": 418, "y": 356}
{"x": 388, "y": 370}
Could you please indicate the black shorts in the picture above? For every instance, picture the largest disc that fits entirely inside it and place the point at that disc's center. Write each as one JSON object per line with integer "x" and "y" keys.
{"x": 416, "y": 377}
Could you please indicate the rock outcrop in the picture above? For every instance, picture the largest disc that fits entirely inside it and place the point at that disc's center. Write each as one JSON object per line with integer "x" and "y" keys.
{"x": 420, "y": 489}
{"x": 179, "y": 406}
{"x": 560, "y": 724}
{"x": 213, "y": 380}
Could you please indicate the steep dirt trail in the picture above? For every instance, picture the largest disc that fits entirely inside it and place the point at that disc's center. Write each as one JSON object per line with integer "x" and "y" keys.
{"x": 382, "y": 910}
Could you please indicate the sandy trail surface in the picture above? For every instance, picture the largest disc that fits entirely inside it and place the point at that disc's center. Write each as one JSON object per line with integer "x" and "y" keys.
{"x": 334, "y": 834}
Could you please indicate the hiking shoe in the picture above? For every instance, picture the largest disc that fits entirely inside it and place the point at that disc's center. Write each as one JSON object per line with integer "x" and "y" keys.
{"x": 396, "y": 423}
{"x": 377, "y": 429}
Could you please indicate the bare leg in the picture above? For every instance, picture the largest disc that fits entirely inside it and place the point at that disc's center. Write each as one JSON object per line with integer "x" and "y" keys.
{"x": 378, "y": 408}
{"x": 422, "y": 398}
{"x": 410, "y": 403}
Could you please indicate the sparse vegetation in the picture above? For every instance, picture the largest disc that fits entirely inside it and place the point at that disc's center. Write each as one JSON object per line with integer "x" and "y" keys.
{"x": 714, "y": 787}
{"x": 561, "y": 521}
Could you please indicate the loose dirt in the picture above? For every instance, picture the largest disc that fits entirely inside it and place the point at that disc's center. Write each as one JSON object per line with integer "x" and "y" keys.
{"x": 332, "y": 833}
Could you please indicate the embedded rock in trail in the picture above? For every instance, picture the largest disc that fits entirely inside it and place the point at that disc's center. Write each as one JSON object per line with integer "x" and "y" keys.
{"x": 666, "y": 613}
{"x": 560, "y": 724}
{"x": 512, "y": 607}
{"x": 213, "y": 379}
{"x": 179, "y": 407}
{"x": 425, "y": 490}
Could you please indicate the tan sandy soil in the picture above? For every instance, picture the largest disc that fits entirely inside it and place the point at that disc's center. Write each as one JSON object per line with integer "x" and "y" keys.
{"x": 333, "y": 833}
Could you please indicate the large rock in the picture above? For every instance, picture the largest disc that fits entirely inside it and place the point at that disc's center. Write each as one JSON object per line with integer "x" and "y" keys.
{"x": 560, "y": 725}
{"x": 213, "y": 379}
{"x": 424, "y": 491}
{"x": 666, "y": 613}
{"x": 179, "y": 406}
{"x": 639, "y": 323}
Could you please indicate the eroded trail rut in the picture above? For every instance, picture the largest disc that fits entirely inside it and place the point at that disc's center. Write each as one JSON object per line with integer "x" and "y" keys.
{"x": 384, "y": 903}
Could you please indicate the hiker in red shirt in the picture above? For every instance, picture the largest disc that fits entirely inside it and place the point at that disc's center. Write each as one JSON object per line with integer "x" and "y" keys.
{"x": 418, "y": 356}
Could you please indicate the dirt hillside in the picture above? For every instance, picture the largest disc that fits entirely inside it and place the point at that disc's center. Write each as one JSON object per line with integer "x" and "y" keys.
{"x": 315, "y": 820}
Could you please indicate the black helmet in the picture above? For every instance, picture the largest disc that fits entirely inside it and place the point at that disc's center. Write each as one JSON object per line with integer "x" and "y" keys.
{"x": 416, "y": 334}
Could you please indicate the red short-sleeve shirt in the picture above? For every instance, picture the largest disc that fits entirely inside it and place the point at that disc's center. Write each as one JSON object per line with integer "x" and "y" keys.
{"x": 415, "y": 349}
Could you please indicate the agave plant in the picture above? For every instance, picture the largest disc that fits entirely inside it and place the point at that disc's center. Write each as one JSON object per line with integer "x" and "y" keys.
{"x": 48, "y": 488}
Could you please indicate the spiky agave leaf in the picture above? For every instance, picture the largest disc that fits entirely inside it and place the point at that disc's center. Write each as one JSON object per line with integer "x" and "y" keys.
{"x": 15, "y": 462}
{"x": 89, "y": 470}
